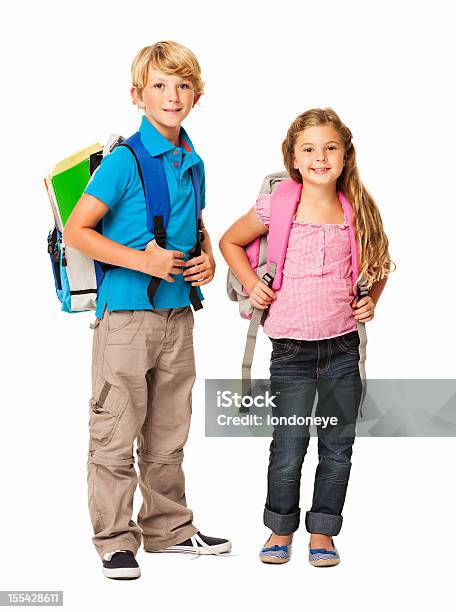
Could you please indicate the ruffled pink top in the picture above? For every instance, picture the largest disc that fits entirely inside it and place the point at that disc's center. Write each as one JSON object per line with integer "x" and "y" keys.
{"x": 314, "y": 301}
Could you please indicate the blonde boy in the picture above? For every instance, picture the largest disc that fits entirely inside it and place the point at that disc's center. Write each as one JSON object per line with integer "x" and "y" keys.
{"x": 143, "y": 366}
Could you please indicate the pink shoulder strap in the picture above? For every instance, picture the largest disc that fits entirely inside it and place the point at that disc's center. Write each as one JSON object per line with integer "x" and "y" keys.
{"x": 283, "y": 207}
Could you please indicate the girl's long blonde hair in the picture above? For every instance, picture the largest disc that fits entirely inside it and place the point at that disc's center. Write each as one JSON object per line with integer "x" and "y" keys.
{"x": 374, "y": 259}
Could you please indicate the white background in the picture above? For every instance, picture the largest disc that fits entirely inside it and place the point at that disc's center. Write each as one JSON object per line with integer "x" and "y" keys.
{"x": 387, "y": 69}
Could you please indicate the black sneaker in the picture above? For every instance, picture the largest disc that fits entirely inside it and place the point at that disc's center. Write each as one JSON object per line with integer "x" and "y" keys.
{"x": 121, "y": 565}
{"x": 200, "y": 544}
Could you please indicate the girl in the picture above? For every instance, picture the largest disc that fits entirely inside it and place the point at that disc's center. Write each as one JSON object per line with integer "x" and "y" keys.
{"x": 315, "y": 322}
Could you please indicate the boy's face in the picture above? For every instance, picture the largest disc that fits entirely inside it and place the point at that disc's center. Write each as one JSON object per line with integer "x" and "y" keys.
{"x": 166, "y": 99}
{"x": 319, "y": 155}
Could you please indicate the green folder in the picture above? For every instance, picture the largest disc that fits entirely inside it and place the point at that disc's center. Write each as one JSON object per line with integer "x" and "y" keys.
{"x": 68, "y": 179}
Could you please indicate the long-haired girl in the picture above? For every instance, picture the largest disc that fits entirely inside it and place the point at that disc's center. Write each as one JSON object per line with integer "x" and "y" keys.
{"x": 316, "y": 323}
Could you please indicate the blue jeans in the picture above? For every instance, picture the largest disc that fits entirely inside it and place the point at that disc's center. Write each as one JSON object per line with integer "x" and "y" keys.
{"x": 299, "y": 369}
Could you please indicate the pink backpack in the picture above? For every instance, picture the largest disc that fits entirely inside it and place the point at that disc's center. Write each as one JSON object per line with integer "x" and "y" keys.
{"x": 267, "y": 256}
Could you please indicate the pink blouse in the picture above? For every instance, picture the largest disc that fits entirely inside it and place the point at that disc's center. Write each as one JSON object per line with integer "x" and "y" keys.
{"x": 314, "y": 301}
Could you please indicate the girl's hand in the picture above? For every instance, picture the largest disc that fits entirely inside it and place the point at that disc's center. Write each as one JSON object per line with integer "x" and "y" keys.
{"x": 261, "y": 296}
{"x": 363, "y": 309}
{"x": 162, "y": 262}
{"x": 200, "y": 270}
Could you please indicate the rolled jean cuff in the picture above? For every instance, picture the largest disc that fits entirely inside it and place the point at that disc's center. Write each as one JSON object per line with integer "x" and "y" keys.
{"x": 281, "y": 524}
{"x": 328, "y": 524}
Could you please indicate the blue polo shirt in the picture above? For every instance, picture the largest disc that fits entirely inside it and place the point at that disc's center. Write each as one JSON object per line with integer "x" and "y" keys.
{"x": 116, "y": 183}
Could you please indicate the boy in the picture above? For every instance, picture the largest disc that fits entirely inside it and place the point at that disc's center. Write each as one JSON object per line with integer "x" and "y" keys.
{"x": 143, "y": 366}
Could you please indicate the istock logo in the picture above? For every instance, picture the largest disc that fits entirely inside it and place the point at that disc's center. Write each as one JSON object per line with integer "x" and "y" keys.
{"x": 228, "y": 399}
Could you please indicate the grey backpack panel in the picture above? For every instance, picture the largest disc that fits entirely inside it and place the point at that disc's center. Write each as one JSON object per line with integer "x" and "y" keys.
{"x": 233, "y": 285}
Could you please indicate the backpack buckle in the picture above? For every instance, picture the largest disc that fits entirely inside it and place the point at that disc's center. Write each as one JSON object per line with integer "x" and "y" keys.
{"x": 159, "y": 231}
{"x": 160, "y": 236}
{"x": 268, "y": 279}
{"x": 200, "y": 235}
{"x": 362, "y": 292}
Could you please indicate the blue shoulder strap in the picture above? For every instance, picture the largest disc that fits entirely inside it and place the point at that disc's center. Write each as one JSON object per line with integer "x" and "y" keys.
{"x": 197, "y": 190}
{"x": 153, "y": 179}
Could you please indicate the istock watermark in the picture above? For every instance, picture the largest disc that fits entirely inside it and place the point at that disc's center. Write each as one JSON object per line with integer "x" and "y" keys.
{"x": 390, "y": 407}
{"x": 257, "y": 421}
{"x": 228, "y": 399}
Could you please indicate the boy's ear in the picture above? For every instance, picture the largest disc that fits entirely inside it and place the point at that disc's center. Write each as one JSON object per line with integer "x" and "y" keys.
{"x": 196, "y": 98}
{"x": 137, "y": 99}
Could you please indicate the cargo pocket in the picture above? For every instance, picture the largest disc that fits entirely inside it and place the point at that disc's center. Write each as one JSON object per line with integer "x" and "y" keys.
{"x": 106, "y": 410}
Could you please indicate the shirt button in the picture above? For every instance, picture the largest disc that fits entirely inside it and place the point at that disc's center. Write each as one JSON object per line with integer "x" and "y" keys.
{"x": 175, "y": 152}
{"x": 176, "y": 164}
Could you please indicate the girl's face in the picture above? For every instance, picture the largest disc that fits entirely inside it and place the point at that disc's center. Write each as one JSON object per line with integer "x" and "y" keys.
{"x": 319, "y": 155}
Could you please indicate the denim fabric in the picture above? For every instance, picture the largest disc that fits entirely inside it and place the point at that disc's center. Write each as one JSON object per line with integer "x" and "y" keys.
{"x": 302, "y": 370}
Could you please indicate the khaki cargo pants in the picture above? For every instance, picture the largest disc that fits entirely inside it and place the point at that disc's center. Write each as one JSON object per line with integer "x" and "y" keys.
{"x": 143, "y": 370}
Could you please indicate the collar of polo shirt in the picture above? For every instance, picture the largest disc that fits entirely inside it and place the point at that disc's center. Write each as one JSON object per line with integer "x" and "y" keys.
{"x": 156, "y": 144}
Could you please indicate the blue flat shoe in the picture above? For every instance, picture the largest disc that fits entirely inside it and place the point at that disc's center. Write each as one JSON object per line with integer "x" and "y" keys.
{"x": 275, "y": 554}
{"x": 322, "y": 557}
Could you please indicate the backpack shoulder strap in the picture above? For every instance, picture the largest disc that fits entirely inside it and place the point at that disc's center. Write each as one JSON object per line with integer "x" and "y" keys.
{"x": 197, "y": 188}
{"x": 284, "y": 202}
{"x": 196, "y": 251}
{"x": 156, "y": 193}
{"x": 153, "y": 179}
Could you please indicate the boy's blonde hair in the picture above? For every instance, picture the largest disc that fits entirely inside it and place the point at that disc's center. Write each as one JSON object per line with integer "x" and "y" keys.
{"x": 168, "y": 57}
{"x": 374, "y": 259}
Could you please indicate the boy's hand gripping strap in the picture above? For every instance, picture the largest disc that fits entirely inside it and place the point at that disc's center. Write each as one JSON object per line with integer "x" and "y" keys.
{"x": 160, "y": 238}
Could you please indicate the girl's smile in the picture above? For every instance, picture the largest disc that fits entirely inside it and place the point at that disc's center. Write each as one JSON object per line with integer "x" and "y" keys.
{"x": 321, "y": 170}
